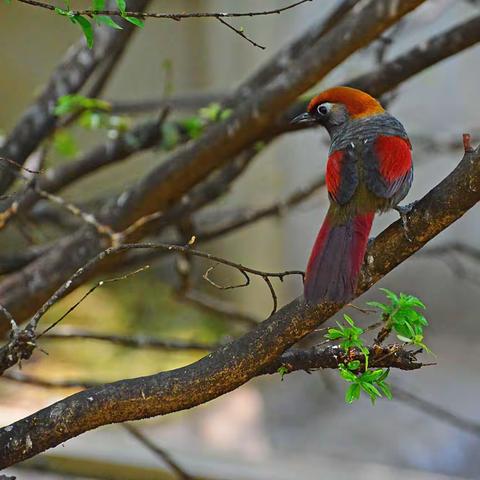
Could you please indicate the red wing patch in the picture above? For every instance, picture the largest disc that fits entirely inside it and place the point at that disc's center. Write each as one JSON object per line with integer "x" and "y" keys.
{"x": 394, "y": 157}
{"x": 334, "y": 172}
{"x": 342, "y": 176}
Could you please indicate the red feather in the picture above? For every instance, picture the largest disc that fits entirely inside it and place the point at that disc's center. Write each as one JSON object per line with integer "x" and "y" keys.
{"x": 334, "y": 172}
{"x": 394, "y": 155}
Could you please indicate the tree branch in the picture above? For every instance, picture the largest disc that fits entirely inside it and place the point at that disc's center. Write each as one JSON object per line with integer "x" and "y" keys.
{"x": 253, "y": 120}
{"x": 135, "y": 341}
{"x": 234, "y": 364}
{"x": 170, "y": 16}
{"x": 160, "y": 452}
{"x": 70, "y": 75}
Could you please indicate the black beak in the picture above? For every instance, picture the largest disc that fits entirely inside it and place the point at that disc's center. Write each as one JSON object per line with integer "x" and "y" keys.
{"x": 303, "y": 118}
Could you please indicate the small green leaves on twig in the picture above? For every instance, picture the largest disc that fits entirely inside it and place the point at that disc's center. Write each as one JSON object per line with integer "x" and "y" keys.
{"x": 349, "y": 336}
{"x": 401, "y": 315}
{"x": 283, "y": 370}
{"x": 86, "y": 23}
{"x": 93, "y": 114}
{"x": 74, "y": 103}
{"x": 372, "y": 382}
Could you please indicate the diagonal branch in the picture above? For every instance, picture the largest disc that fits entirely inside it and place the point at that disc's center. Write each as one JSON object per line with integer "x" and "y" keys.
{"x": 234, "y": 364}
{"x": 160, "y": 452}
{"x": 253, "y": 120}
{"x": 69, "y": 77}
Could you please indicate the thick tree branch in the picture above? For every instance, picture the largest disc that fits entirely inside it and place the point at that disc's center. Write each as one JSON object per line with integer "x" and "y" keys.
{"x": 70, "y": 75}
{"x": 166, "y": 185}
{"x": 234, "y": 364}
{"x": 391, "y": 74}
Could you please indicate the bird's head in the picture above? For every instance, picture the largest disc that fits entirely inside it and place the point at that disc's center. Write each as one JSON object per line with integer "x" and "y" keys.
{"x": 335, "y": 106}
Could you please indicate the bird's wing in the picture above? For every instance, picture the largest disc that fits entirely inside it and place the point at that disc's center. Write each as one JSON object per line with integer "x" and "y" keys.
{"x": 388, "y": 166}
{"x": 342, "y": 175}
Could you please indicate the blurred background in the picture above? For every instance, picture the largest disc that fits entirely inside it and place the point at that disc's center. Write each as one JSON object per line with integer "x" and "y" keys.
{"x": 268, "y": 429}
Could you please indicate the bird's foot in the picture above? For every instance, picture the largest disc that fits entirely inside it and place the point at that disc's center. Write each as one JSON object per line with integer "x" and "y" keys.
{"x": 403, "y": 211}
{"x": 370, "y": 242}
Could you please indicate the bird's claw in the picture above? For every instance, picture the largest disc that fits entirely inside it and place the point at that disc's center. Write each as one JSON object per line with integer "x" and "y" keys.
{"x": 403, "y": 211}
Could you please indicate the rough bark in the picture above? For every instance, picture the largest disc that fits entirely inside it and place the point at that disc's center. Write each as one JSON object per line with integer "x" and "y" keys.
{"x": 237, "y": 362}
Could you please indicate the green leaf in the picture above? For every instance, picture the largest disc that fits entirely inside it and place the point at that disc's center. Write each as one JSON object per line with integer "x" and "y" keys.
{"x": 379, "y": 305}
{"x": 136, "y": 21}
{"x": 353, "y": 365}
{"x": 64, "y": 144}
{"x": 74, "y": 103}
{"x": 352, "y": 393}
{"x": 385, "y": 390}
{"x": 282, "y": 371}
{"x": 211, "y": 112}
{"x": 122, "y": 5}
{"x": 61, "y": 11}
{"x": 226, "y": 113}
{"x": 8, "y": 2}
{"x": 193, "y": 126}
{"x": 334, "y": 334}
{"x": 92, "y": 120}
{"x": 106, "y": 20}
{"x": 346, "y": 374}
{"x": 372, "y": 375}
{"x": 389, "y": 294}
{"x": 98, "y": 5}
{"x": 371, "y": 391}
{"x": 86, "y": 27}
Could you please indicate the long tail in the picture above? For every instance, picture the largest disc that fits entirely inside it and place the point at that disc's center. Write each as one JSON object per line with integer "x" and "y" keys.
{"x": 336, "y": 258}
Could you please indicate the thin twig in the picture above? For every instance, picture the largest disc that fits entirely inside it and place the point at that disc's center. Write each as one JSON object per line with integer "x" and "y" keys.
{"x": 143, "y": 439}
{"x": 24, "y": 343}
{"x": 248, "y": 217}
{"x": 217, "y": 307}
{"x": 88, "y": 293}
{"x": 134, "y": 341}
{"x": 171, "y": 16}
{"x": 240, "y": 32}
{"x": 21, "y": 167}
{"x": 436, "y": 411}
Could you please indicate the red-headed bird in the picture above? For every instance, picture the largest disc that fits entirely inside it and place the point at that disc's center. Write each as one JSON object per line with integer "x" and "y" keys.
{"x": 369, "y": 169}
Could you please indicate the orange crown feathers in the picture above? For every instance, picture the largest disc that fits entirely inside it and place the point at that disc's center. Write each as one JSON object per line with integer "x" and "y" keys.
{"x": 359, "y": 104}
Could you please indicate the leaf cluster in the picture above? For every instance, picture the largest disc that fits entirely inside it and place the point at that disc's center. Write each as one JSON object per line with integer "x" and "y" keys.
{"x": 86, "y": 24}
{"x": 372, "y": 382}
{"x": 401, "y": 314}
{"x": 93, "y": 114}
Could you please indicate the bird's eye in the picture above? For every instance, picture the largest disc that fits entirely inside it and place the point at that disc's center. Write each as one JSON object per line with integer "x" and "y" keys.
{"x": 322, "y": 110}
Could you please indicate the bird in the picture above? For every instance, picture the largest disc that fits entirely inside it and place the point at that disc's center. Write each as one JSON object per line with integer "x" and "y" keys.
{"x": 369, "y": 170}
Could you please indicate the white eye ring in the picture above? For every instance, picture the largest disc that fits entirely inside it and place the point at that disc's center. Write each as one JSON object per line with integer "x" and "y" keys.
{"x": 324, "y": 108}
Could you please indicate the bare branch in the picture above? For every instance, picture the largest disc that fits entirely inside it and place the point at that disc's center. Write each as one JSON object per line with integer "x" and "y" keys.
{"x": 235, "y": 363}
{"x": 240, "y": 32}
{"x": 70, "y": 75}
{"x": 436, "y": 411}
{"x": 171, "y": 16}
{"x": 167, "y": 184}
{"x": 248, "y": 217}
{"x": 160, "y": 452}
{"x": 134, "y": 341}
{"x": 217, "y": 307}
